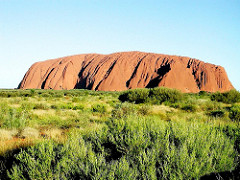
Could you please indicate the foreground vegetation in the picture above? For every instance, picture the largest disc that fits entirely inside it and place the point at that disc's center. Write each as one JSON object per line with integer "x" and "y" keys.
{"x": 137, "y": 134}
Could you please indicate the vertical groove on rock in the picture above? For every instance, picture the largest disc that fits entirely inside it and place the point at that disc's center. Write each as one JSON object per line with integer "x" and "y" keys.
{"x": 135, "y": 70}
{"x": 44, "y": 82}
{"x": 107, "y": 73}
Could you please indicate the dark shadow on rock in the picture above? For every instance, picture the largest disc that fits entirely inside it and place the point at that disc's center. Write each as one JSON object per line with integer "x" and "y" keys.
{"x": 44, "y": 82}
{"x": 162, "y": 71}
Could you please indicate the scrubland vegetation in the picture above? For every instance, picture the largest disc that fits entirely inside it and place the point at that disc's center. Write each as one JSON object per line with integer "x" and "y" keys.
{"x": 154, "y": 133}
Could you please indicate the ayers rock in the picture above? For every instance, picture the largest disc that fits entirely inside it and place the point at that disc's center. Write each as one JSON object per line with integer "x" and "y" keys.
{"x": 126, "y": 70}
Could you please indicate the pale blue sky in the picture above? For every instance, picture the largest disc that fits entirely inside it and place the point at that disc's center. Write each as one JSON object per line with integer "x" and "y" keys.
{"x": 36, "y": 30}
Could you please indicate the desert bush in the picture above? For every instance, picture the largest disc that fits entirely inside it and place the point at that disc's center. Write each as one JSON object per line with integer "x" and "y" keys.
{"x": 27, "y": 106}
{"x": 26, "y": 93}
{"x": 98, "y": 108}
{"x": 3, "y": 94}
{"x": 135, "y": 95}
{"x": 46, "y": 94}
{"x": 229, "y": 97}
{"x": 54, "y": 106}
{"x": 57, "y": 94}
{"x": 77, "y": 92}
{"x": 66, "y": 106}
{"x": 153, "y": 96}
{"x": 175, "y": 105}
{"x": 75, "y": 99}
{"x": 233, "y": 132}
{"x": 9, "y": 93}
{"x": 35, "y": 163}
{"x": 189, "y": 107}
{"x": 78, "y": 107}
{"x": 14, "y": 118}
{"x": 217, "y": 113}
{"x": 217, "y": 96}
{"x": 160, "y": 95}
{"x": 211, "y": 106}
{"x": 232, "y": 96}
{"x": 144, "y": 110}
{"x": 203, "y": 94}
{"x": 234, "y": 113}
{"x": 123, "y": 110}
{"x": 41, "y": 106}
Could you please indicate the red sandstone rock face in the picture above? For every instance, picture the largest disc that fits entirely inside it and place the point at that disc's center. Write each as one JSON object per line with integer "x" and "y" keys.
{"x": 126, "y": 70}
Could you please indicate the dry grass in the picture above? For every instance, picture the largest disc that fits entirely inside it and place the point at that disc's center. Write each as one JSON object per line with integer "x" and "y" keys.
{"x": 7, "y": 134}
{"x": 29, "y": 133}
{"x": 15, "y": 143}
{"x": 54, "y": 133}
{"x": 162, "y": 109}
{"x": 40, "y": 111}
{"x": 10, "y": 141}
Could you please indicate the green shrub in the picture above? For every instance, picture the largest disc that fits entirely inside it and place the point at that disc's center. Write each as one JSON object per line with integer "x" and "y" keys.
{"x": 217, "y": 96}
{"x": 3, "y": 94}
{"x": 15, "y": 118}
{"x": 78, "y": 107}
{"x": 41, "y": 106}
{"x": 123, "y": 110}
{"x": 46, "y": 94}
{"x": 27, "y": 106}
{"x": 26, "y": 93}
{"x": 189, "y": 107}
{"x": 35, "y": 163}
{"x": 75, "y": 99}
{"x": 144, "y": 110}
{"x": 211, "y": 106}
{"x": 234, "y": 113}
{"x": 98, "y": 108}
{"x": 9, "y": 93}
{"x": 54, "y": 106}
{"x": 203, "y": 94}
{"x": 229, "y": 97}
{"x": 232, "y": 96}
{"x": 160, "y": 95}
{"x": 57, "y": 94}
{"x": 135, "y": 95}
{"x": 169, "y": 151}
{"x": 217, "y": 113}
{"x": 12, "y": 118}
{"x": 153, "y": 96}
{"x": 66, "y": 106}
